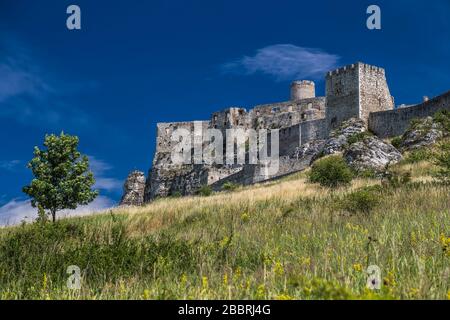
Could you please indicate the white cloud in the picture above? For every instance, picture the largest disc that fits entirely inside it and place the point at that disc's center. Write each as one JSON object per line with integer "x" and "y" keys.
{"x": 285, "y": 62}
{"x": 100, "y": 168}
{"x": 9, "y": 164}
{"x": 108, "y": 184}
{"x": 18, "y": 210}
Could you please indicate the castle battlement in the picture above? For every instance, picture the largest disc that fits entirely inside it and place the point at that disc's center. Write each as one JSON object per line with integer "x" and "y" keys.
{"x": 352, "y": 67}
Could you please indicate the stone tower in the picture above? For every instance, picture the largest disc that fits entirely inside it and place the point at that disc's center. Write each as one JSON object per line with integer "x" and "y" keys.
{"x": 355, "y": 91}
{"x": 303, "y": 89}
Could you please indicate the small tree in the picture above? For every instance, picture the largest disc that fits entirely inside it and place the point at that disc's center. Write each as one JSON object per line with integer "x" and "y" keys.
{"x": 331, "y": 172}
{"x": 62, "y": 179}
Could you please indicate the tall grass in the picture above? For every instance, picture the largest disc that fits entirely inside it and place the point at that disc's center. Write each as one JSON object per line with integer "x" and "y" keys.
{"x": 280, "y": 240}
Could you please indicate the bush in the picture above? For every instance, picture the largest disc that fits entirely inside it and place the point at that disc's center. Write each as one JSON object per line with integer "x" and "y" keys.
{"x": 204, "y": 191}
{"x": 230, "y": 186}
{"x": 442, "y": 160}
{"x": 363, "y": 200}
{"x": 176, "y": 194}
{"x": 418, "y": 155}
{"x": 357, "y": 137}
{"x": 367, "y": 174}
{"x": 443, "y": 117}
{"x": 397, "y": 142}
{"x": 331, "y": 172}
{"x": 396, "y": 179}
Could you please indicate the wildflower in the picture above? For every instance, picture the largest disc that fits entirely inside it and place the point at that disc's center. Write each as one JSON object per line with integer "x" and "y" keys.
{"x": 237, "y": 274}
{"x": 278, "y": 268}
{"x": 389, "y": 281}
{"x": 413, "y": 292}
{"x": 183, "y": 279}
{"x": 357, "y": 267}
{"x": 224, "y": 242}
{"x": 261, "y": 292}
{"x": 445, "y": 243}
{"x": 205, "y": 283}
{"x": 146, "y": 294}
{"x": 225, "y": 279}
{"x": 305, "y": 261}
{"x": 245, "y": 217}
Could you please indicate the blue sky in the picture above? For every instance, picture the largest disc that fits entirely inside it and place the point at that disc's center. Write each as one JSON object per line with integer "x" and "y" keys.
{"x": 136, "y": 63}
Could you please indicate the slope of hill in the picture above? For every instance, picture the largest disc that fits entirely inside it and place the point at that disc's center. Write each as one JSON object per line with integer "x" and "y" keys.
{"x": 281, "y": 240}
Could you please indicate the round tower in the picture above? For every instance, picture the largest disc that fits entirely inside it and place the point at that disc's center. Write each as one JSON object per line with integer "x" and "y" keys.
{"x": 302, "y": 89}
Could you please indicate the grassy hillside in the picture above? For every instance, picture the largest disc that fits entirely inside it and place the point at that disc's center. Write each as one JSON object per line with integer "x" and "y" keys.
{"x": 282, "y": 240}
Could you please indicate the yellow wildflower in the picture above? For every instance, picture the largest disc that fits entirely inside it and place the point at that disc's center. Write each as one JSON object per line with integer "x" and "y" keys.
{"x": 225, "y": 279}
{"x": 146, "y": 294}
{"x": 278, "y": 268}
{"x": 357, "y": 267}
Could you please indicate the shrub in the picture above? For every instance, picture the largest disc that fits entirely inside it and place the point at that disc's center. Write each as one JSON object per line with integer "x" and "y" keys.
{"x": 357, "y": 137}
{"x": 331, "y": 172}
{"x": 363, "y": 200}
{"x": 396, "y": 179}
{"x": 443, "y": 117}
{"x": 442, "y": 160}
{"x": 367, "y": 174}
{"x": 230, "y": 186}
{"x": 204, "y": 191}
{"x": 176, "y": 194}
{"x": 418, "y": 155}
{"x": 397, "y": 142}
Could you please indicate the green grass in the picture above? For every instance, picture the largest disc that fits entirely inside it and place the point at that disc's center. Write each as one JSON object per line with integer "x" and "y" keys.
{"x": 282, "y": 240}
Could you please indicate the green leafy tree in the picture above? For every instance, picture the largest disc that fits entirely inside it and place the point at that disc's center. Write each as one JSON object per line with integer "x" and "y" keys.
{"x": 62, "y": 179}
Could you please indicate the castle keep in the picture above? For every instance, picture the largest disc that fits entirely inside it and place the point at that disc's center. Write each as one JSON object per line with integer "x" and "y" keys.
{"x": 354, "y": 91}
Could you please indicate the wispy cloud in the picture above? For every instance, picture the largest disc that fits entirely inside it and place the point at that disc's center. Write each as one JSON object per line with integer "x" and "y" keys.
{"x": 100, "y": 169}
{"x": 18, "y": 210}
{"x": 16, "y": 80}
{"x": 9, "y": 165}
{"x": 285, "y": 62}
{"x": 33, "y": 96}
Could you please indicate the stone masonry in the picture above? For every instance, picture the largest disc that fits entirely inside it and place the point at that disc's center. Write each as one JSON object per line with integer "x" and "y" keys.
{"x": 355, "y": 91}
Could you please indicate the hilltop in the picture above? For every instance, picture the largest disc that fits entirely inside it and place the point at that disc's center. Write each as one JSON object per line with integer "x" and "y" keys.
{"x": 285, "y": 239}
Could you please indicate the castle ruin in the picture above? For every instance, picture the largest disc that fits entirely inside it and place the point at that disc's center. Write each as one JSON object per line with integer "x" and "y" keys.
{"x": 355, "y": 91}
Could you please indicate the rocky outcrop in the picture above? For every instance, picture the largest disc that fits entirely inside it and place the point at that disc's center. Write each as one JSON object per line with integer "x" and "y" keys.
{"x": 133, "y": 189}
{"x": 361, "y": 150}
{"x": 422, "y": 133}
{"x": 339, "y": 138}
{"x": 371, "y": 154}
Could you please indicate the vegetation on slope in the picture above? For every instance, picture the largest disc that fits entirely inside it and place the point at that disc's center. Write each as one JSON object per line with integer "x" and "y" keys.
{"x": 281, "y": 240}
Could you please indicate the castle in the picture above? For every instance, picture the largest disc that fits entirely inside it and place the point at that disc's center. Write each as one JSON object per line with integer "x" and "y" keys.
{"x": 355, "y": 91}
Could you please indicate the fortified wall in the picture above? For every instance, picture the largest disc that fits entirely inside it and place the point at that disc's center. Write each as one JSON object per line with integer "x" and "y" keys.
{"x": 395, "y": 122}
{"x": 355, "y": 91}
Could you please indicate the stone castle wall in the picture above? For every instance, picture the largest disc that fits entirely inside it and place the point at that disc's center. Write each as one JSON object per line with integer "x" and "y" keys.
{"x": 374, "y": 92}
{"x": 394, "y": 122}
{"x": 342, "y": 93}
{"x": 304, "y": 122}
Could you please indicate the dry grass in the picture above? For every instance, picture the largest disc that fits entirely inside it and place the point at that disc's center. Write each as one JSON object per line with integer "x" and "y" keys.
{"x": 278, "y": 240}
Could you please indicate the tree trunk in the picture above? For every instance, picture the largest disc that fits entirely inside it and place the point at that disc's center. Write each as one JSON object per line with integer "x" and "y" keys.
{"x": 53, "y": 215}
